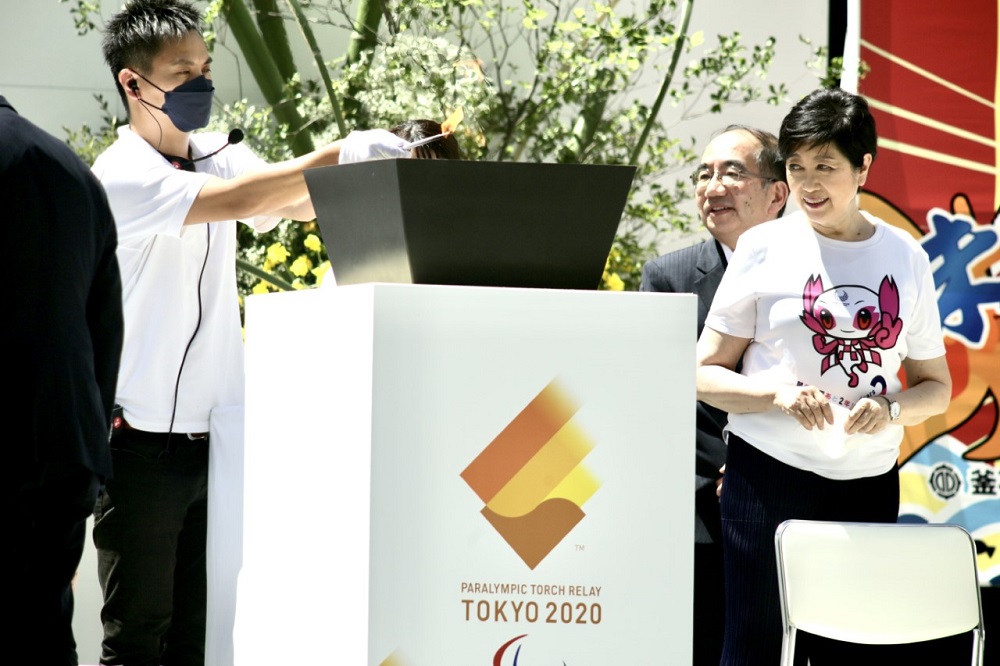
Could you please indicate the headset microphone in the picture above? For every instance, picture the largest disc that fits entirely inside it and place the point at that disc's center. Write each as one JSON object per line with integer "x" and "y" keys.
{"x": 235, "y": 136}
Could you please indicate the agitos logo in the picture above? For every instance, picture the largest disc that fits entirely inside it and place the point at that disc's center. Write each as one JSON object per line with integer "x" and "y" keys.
{"x": 531, "y": 476}
{"x": 498, "y": 658}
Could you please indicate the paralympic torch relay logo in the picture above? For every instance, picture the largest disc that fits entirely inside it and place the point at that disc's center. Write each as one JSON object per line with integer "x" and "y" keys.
{"x": 531, "y": 476}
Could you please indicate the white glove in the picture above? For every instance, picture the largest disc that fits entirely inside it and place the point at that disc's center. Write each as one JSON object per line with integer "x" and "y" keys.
{"x": 376, "y": 144}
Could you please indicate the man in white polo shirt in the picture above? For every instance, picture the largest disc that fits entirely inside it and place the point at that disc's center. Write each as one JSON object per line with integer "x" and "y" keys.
{"x": 176, "y": 197}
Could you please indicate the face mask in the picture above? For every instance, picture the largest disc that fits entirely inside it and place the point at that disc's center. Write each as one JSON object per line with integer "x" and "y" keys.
{"x": 189, "y": 105}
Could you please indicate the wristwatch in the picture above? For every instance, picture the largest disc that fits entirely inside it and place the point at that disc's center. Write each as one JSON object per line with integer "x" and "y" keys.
{"x": 893, "y": 407}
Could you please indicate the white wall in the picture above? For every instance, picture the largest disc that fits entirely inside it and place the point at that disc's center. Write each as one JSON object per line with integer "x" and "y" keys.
{"x": 50, "y": 75}
{"x": 87, "y": 605}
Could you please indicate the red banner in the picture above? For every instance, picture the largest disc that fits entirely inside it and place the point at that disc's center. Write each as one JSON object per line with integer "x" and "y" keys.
{"x": 933, "y": 87}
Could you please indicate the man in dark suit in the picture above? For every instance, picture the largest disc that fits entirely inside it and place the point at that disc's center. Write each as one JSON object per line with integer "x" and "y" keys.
{"x": 739, "y": 183}
{"x": 63, "y": 342}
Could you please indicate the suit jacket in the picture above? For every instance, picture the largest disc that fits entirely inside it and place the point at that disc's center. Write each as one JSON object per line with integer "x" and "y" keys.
{"x": 63, "y": 306}
{"x": 697, "y": 269}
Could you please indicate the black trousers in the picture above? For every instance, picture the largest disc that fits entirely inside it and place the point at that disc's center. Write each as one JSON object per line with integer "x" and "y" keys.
{"x": 150, "y": 529}
{"x": 50, "y": 509}
{"x": 709, "y": 621}
{"x": 709, "y": 604}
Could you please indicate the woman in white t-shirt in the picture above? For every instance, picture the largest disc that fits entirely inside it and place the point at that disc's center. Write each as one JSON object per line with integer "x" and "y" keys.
{"x": 825, "y": 307}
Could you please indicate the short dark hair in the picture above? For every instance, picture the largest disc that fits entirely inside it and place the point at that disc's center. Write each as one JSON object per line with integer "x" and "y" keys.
{"x": 830, "y": 116}
{"x": 768, "y": 157}
{"x": 445, "y": 148}
{"x": 135, "y": 35}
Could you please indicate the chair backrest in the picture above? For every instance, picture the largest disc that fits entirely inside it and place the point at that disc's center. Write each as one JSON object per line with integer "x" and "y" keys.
{"x": 877, "y": 583}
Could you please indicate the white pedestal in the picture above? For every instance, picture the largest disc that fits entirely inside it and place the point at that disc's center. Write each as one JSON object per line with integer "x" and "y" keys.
{"x": 384, "y": 424}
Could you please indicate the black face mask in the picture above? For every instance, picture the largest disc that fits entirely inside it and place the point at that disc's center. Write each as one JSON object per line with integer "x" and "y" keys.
{"x": 189, "y": 105}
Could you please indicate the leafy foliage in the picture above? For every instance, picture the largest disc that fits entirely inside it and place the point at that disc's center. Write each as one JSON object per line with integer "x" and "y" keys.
{"x": 89, "y": 143}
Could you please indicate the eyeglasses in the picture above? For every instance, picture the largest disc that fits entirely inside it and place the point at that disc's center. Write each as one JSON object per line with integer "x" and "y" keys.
{"x": 731, "y": 177}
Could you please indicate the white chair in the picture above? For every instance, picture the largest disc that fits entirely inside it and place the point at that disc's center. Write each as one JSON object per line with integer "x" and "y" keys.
{"x": 873, "y": 583}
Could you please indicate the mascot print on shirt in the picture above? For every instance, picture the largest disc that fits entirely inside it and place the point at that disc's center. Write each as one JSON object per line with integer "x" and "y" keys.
{"x": 850, "y": 323}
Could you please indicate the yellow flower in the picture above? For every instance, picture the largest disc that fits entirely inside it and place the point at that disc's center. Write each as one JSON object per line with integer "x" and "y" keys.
{"x": 614, "y": 283}
{"x": 298, "y": 284}
{"x": 301, "y": 266}
{"x": 313, "y": 243}
{"x": 260, "y": 288}
{"x": 277, "y": 253}
{"x": 320, "y": 271}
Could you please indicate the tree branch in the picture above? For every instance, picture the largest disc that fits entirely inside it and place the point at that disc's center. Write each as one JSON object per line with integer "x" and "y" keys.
{"x": 668, "y": 78}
